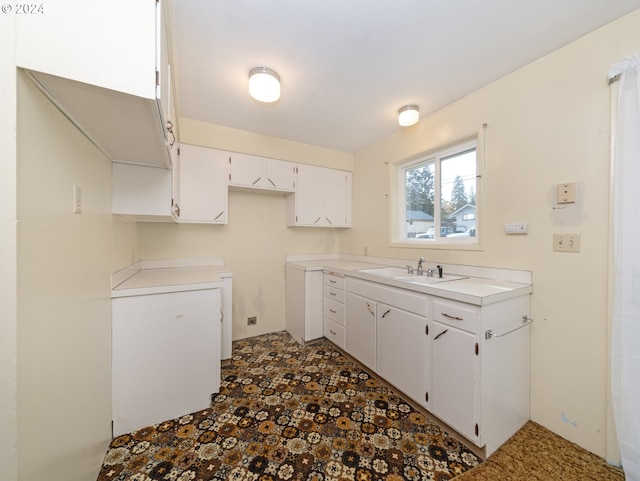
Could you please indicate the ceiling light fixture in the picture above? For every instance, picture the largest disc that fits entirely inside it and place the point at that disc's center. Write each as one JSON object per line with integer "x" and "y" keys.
{"x": 408, "y": 115}
{"x": 264, "y": 84}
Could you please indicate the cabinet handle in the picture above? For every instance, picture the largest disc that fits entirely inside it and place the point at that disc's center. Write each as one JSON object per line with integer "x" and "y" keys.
{"x": 369, "y": 309}
{"x": 456, "y": 318}
{"x": 388, "y": 311}
{"x": 328, "y": 220}
{"x": 317, "y": 220}
{"x": 443, "y": 332}
{"x": 271, "y": 181}
{"x": 256, "y": 181}
{"x": 332, "y": 281}
{"x": 333, "y": 294}
{"x": 173, "y": 136}
{"x": 332, "y": 311}
{"x": 332, "y": 332}
{"x": 218, "y": 216}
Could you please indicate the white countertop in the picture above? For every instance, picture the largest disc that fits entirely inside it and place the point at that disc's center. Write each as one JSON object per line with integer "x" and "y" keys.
{"x": 158, "y": 280}
{"x": 473, "y": 290}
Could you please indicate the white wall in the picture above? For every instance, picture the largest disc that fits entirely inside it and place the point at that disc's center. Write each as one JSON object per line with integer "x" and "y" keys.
{"x": 64, "y": 311}
{"x": 547, "y": 123}
{"x": 8, "y": 261}
{"x": 256, "y": 240}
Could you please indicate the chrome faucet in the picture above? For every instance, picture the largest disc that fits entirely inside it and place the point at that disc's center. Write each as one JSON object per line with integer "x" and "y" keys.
{"x": 419, "y": 270}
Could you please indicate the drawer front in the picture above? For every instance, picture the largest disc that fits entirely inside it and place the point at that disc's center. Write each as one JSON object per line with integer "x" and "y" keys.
{"x": 334, "y": 332}
{"x": 334, "y": 293}
{"x": 334, "y": 281}
{"x": 334, "y": 310}
{"x": 462, "y": 316}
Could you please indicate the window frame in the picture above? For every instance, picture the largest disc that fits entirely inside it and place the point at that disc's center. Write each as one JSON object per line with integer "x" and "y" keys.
{"x": 397, "y": 196}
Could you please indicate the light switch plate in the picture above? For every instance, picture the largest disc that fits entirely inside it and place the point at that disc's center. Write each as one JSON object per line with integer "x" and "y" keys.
{"x": 566, "y": 242}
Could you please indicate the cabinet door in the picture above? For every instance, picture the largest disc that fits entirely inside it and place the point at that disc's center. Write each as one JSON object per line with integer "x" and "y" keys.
{"x": 141, "y": 192}
{"x": 246, "y": 170}
{"x": 453, "y": 392}
{"x": 402, "y": 350}
{"x": 337, "y": 202}
{"x": 280, "y": 175}
{"x": 203, "y": 185}
{"x": 150, "y": 386}
{"x": 309, "y": 196}
{"x": 360, "y": 329}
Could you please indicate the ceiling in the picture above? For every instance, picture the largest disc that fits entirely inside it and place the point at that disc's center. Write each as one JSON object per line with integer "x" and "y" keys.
{"x": 347, "y": 66}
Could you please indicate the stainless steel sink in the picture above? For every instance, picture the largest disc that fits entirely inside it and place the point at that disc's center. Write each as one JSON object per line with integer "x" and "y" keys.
{"x": 401, "y": 274}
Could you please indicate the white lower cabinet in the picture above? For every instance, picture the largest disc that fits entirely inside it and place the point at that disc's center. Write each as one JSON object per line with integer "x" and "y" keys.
{"x": 386, "y": 331}
{"x": 452, "y": 395}
{"x": 166, "y": 356}
{"x": 438, "y": 352}
{"x": 333, "y": 307}
{"x": 402, "y": 351}
{"x": 361, "y": 320}
{"x": 303, "y": 306}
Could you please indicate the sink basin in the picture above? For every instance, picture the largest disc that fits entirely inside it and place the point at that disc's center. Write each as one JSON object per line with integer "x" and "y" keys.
{"x": 401, "y": 274}
{"x": 386, "y": 271}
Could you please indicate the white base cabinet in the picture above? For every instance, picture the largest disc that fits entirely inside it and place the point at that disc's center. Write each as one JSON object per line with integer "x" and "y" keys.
{"x": 166, "y": 356}
{"x": 303, "y": 293}
{"x": 437, "y": 352}
{"x": 361, "y": 320}
{"x": 453, "y": 395}
{"x": 402, "y": 351}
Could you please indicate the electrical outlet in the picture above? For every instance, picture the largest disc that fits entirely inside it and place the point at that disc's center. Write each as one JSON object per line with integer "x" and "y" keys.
{"x": 252, "y": 321}
{"x": 566, "y": 242}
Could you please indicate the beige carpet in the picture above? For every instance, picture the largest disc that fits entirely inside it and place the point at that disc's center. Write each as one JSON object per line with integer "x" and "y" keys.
{"x": 535, "y": 453}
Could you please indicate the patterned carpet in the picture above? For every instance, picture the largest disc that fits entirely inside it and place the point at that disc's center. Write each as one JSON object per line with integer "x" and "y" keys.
{"x": 291, "y": 413}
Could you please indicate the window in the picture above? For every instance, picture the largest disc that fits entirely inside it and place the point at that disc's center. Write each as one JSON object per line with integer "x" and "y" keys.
{"x": 437, "y": 197}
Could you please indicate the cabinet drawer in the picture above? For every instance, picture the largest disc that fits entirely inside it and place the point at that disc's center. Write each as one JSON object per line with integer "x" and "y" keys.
{"x": 334, "y": 332}
{"x": 331, "y": 292}
{"x": 334, "y": 310}
{"x": 462, "y": 316}
{"x": 334, "y": 281}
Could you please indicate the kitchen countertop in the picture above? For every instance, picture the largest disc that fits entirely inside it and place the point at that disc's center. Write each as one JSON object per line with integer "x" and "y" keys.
{"x": 143, "y": 280}
{"x": 479, "y": 291}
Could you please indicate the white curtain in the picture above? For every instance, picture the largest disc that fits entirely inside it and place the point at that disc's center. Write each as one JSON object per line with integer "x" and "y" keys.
{"x": 625, "y": 335}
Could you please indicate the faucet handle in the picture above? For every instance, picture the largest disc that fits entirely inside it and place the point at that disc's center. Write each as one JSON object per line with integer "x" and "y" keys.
{"x": 409, "y": 269}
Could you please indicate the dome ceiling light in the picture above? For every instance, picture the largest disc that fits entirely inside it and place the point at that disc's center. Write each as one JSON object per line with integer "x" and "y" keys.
{"x": 408, "y": 115}
{"x": 264, "y": 84}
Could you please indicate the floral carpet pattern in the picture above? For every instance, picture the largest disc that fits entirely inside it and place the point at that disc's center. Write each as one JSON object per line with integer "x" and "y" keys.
{"x": 291, "y": 413}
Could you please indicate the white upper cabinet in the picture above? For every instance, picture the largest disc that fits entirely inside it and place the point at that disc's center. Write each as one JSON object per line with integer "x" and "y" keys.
{"x": 143, "y": 193}
{"x": 106, "y": 66}
{"x": 203, "y": 185}
{"x": 322, "y": 198}
{"x": 250, "y": 171}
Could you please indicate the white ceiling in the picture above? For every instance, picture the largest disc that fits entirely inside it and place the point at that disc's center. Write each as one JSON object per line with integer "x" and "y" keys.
{"x": 346, "y": 66}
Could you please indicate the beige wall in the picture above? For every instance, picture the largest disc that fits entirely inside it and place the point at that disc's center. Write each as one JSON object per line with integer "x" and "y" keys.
{"x": 256, "y": 240}
{"x": 8, "y": 261}
{"x": 547, "y": 123}
{"x": 64, "y": 309}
